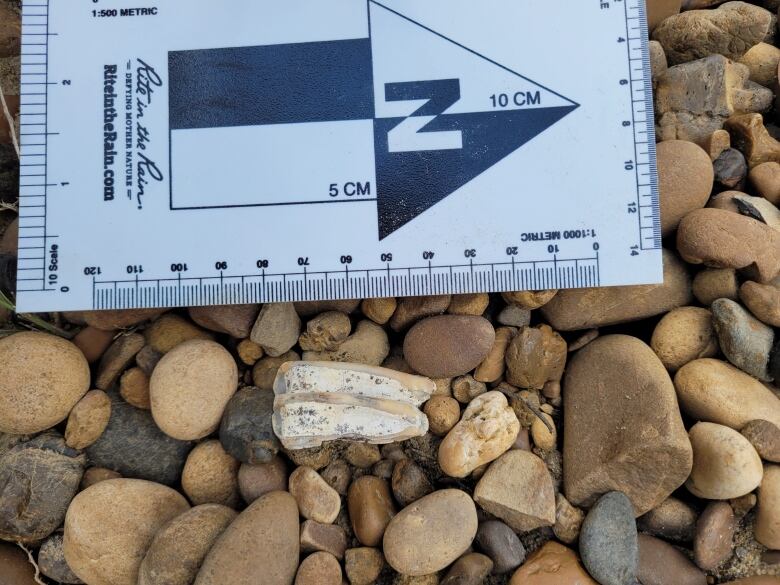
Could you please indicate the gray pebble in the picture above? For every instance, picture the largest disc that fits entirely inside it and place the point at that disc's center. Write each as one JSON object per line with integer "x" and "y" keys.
{"x": 514, "y": 316}
{"x": 608, "y": 541}
{"x": 134, "y": 446}
{"x": 501, "y": 544}
{"x": 246, "y": 430}
{"x": 51, "y": 562}
{"x": 746, "y": 341}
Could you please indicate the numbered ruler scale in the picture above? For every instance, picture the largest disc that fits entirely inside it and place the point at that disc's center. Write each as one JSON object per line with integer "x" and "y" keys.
{"x": 172, "y": 156}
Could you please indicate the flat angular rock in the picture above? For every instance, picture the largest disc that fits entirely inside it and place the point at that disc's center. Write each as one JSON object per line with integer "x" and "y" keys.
{"x": 325, "y": 401}
{"x": 622, "y": 425}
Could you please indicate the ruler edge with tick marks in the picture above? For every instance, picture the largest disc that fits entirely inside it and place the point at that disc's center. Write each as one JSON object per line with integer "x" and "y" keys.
{"x": 38, "y": 244}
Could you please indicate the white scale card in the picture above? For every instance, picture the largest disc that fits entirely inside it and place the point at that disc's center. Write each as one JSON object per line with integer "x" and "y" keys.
{"x": 194, "y": 152}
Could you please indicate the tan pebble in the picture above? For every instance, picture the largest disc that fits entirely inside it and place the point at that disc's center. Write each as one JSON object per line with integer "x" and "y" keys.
{"x": 311, "y": 308}
{"x": 553, "y": 564}
{"x": 412, "y": 309}
{"x": 725, "y": 464}
{"x": 743, "y": 504}
{"x": 658, "y": 62}
{"x": 762, "y": 60}
{"x": 631, "y": 426}
{"x": 467, "y": 388}
{"x": 368, "y": 345}
{"x": 568, "y": 520}
{"x": 370, "y": 508}
{"x": 249, "y": 352}
{"x": 711, "y": 284}
{"x": 178, "y": 549}
{"x": 529, "y": 300}
{"x": 379, "y": 310}
{"x": 210, "y": 475}
{"x": 715, "y": 391}
{"x": 729, "y": 30}
{"x": 363, "y": 565}
{"x": 722, "y": 239}
{"x": 134, "y": 388}
{"x": 276, "y": 329}
{"x": 123, "y": 319}
{"x": 329, "y": 538}
{"x": 471, "y": 304}
{"x": 170, "y": 330}
{"x": 572, "y": 310}
{"x": 93, "y": 342}
{"x": 552, "y": 391}
{"x": 685, "y": 178}
{"x": 448, "y": 345}
{"x": 683, "y": 335}
{"x": 493, "y": 366}
{"x": 147, "y": 359}
{"x": 518, "y": 489}
{"x": 750, "y": 136}
{"x": 431, "y": 533}
{"x": 768, "y": 517}
{"x": 319, "y": 568}
{"x": 765, "y": 437}
{"x": 672, "y": 519}
{"x": 190, "y": 388}
{"x": 95, "y": 475}
{"x": 487, "y": 429}
{"x": 260, "y": 479}
{"x": 523, "y": 440}
{"x": 431, "y": 579}
{"x": 362, "y": 455}
{"x": 88, "y": 420}
{"x": 263, "y": 540}
{"x": 338, "y": 475}
{"x": 763, "y": 300}
{"x": 116, "y": 359}
{"x": 42, "y": 377}
{"x": 325, "y": 332}
{"x": 544, "y": 438}
{"x": 395, "y": 361}
{"x": 713, "y": 543}
{"x": 234, "y": 320}
{"x": 110, "y": 525}
{"x": 766, "y": 180}
{"x": 535, "y": 356}
{"x": 443, "y": 413}
{"x": 266, "y": 368}
{"x": 717, "y": 143}
{"x": 316, "y": 499}
{"x": 443, "y": 386}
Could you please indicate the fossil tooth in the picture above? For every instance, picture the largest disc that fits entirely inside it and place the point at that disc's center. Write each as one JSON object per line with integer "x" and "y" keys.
{"x": 323, "y": 401}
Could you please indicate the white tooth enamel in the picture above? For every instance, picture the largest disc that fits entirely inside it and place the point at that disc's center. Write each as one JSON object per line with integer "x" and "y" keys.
{"x": 324, "y": 401}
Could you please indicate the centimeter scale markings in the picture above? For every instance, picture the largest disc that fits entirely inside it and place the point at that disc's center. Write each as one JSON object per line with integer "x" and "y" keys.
{"x": 417, "y": 129}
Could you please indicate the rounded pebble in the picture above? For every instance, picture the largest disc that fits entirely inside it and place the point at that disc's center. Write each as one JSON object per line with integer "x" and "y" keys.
{"x": 319, "y": 568}
{"x": 683, "y": 335}
{"x": 685, "y": 178}
{"x": 713, "y": 543}
{"x": 257, "y": 480}
{"x": 552, "y": 564}
{"x": 88, "y": 419}
{"x": 501, "y": 544}
{"x": 662, "y": 564}
{"x": 316, "y": 499}
{"x": 210, "y": 475}
{"x": 608, "y": 541}
{"x": 443, "y": 413}
{"x": 768, "y": 517}
{"x": 370, "y": 508}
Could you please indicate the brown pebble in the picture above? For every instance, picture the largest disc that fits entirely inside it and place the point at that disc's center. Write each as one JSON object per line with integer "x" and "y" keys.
{"x": 467, "y": 388}
{"x": 662, "y": 564}
{"x": 379, "y": 310}
{"x": 552, "y": 564}
{"x": 743, "y": 504}
{"x": 683, "y": 335}
{"x": 412, "y": 309}
{"x": 210, "y": 475}
{"x": 134, "y": 388}
{"x": 88, "y": 420}
{"x": 263, "y": 478}
{"x": 15, "y": 568}
{"x": 765, "y": 437}
{"x": 363, "y": 565}
{"x": 319, "y": 568}
{"x": 766, "y": 180}
{"x": 713, "y": 543}
{"x": 712, "y": 284}
{"x": 264, "y": 372}
{"x": 338, "y": 475}
{"x": 470, "y": 304}
{"x": 493, "y": 366}
{"x": 370, "y": 508}
{"x": 763, "y": 300}
{"x": 234, "y": 320}
{"x": 443, "y": 413}
{"x": 470, "y": 569}
{"x": 448, "y": 345}
{"x": 722, "y": 239}
{"x": 535, "y": 356}
{"x": 409, "y": 482}
{"x": 116, "y": 359}
{"x": 147, "y": 359}
{"x": 326, "y": 332}
{"x": 329, "y": 538}
{"x": 749, "y": 135}
{"x": 249, "y": 352}
{"x": 685, "y": 177}
{"x": 672, "y": 519}
{"x": 120, "y": 319}
{"x": 362, "y": 455}
{"x": 93, "y": 342}
{"x": 95, "y": 475}
{"x": 316, "y": 499}
{"x": 529, "y": 300}
{"x": 170, "y": 330}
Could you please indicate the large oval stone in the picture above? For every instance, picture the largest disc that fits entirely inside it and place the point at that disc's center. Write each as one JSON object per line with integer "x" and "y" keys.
{"x": 109, "y": 527}
{"x": 448, "y": 345}
{"x": 622, "y": 426}
{"x": 262, "y": 543}
{"x": 431, "y": 533}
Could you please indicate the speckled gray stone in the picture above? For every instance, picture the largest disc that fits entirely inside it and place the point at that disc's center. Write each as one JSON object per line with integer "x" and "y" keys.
{"x": 608, "y": 542}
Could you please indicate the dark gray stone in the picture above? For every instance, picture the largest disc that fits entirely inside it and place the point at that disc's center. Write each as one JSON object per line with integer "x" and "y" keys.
{"x": 133, "y": 445}
{"x": 608, "y": 541}
{"x": 744, "y": 340}
{"x": 51, "y": 562}
{"x": 246, "y": 430}
{"x": 501, "y": 544}
{"x": 730, "y": 169}
{"x": 38, "y": 480}
{"x": 409, "y": 482}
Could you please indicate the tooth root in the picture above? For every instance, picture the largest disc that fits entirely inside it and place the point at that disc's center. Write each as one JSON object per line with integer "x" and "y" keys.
{"x": 325, "y": 401}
